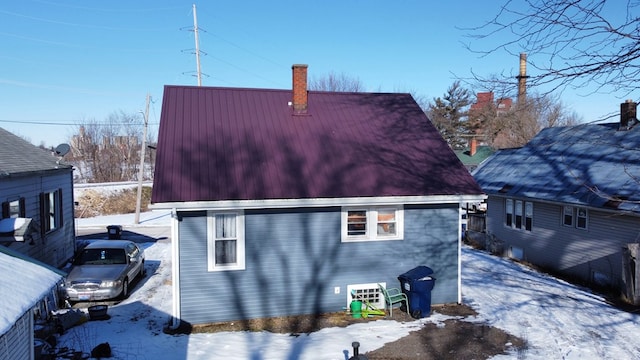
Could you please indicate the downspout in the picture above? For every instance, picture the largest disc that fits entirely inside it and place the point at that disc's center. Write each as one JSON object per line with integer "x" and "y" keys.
{"x": 175, "y": 265}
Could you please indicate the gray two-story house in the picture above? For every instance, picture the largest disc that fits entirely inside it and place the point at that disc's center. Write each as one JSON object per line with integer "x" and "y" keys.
{"x": 569, "y": 200}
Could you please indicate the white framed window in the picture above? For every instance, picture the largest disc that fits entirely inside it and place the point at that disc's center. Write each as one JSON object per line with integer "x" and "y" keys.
{"x": 372, "y": 223}
{"x": 225, "y": 241}
{"x": 508, "y": 209}
{"x": 51, "y": 210}
{"x": 581, "y": 218}
{"x": 575, "y": 217}
{"x": 528, "y": 215}
{"x": 518, "y": 211}
{"x": 13, "y": 208}
{"x": 567, "y": 215}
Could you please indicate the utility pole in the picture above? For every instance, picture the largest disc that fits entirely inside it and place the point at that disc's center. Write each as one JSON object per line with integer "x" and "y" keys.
{"x": 195, "y": 31}
{"x": 141, "y": 172}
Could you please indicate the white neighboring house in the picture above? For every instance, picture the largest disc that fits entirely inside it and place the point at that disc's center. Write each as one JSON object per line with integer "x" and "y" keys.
{"x": 29, "y": 290}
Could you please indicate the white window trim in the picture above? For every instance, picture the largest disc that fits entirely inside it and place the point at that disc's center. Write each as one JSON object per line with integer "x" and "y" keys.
{"x": 586, "y": 218}
{"x": 372, "y": 222}
{"x": 52, "y": 211}
{"x": 508, "y": 210}
{"x": 568, "y": 210}
{"x": 518, "y": 214}
{"x": 575, "y": 217}
{"x": 528, "y": 214}
{"x": 240, "y": 250}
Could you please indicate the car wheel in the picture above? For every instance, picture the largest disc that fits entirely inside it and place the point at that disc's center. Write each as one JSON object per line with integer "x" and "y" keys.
{"x": 143, "y": 271}
{"x": 125, "y": 289}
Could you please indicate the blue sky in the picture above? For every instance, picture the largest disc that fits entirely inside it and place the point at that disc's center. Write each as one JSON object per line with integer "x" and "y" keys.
{"x": 68, "y": 61}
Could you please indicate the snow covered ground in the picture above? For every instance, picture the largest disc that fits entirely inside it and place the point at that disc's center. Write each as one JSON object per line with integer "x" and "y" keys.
{"x": 557, "y": 319}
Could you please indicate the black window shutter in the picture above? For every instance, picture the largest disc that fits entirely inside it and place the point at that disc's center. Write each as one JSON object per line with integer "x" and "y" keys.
{"x": 60, "y": 207}
{"x": 23, "y": 210}
{"x": 43, "y": 217}
{"x": 5, "y": 210}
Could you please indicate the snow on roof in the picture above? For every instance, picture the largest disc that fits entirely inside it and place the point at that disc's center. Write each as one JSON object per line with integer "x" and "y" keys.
{"x": 22, "y": 285}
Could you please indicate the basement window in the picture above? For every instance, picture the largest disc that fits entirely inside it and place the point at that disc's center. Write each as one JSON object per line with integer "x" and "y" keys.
{"x": 372, "y": 223}
{"x": 368, "y": 292}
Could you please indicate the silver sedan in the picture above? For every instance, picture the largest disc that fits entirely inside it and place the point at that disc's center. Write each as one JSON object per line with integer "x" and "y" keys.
{"x": 103, "y": 270}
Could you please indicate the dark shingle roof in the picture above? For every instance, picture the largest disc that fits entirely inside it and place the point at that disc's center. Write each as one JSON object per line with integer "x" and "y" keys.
{"x": 587, "y": 165}
{"x": 19, "y": 157}
{"x": 245, "y": 144}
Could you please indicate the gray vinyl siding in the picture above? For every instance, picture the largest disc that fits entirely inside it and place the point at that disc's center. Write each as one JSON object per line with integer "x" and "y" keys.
{"x": 16, "y": 343}
{"x": 575, "y": 252}
{"x": 295, "y": 259}
{"x": 57, "y": 246}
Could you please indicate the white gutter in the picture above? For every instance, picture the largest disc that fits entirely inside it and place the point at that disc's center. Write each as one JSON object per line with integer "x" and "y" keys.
{"x": 318, "y": 202}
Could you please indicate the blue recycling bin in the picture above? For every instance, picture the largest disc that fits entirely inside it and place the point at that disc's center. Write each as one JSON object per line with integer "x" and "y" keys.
{"x": 417, "y": 284}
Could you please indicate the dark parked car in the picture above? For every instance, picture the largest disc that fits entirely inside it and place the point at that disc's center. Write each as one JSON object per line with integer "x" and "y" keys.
{"x": 103, "y": 270}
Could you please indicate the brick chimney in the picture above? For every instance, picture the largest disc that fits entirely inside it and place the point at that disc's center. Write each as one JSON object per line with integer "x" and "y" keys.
{"x": 474, "y": 147}
{"x": 627, "y": 115}
{"x": 299, "y": 88}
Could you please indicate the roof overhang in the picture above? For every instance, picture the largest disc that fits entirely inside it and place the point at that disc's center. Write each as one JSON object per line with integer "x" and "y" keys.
{"x": 318, "y": 202}
{"x": 560, "y": 203}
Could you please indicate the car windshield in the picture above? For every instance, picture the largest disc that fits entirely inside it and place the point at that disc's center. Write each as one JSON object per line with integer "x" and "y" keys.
{"x": 102, "y": 256}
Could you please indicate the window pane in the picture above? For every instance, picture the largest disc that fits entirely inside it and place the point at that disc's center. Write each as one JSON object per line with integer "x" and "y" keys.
{"x": 226, "y": 226}
{"x": 568, "y": 215}
{"x": 518, "y": 208}
{"x": 581, "y": 221}
{"x": 528, "y": 215}
{"x": 568, "y": 220}
{"x": 518, "y": 211}
{"x": 386, "y": 222}
{"x": 528, "y": 209}
{"x": 225, "y": 252}
{"x": 509, "y": 206}
{"x": 14, "y": 209}
{"x": 387, "y": 229}
{"x": 509, "y": 212}
{"x": 518, "y": 221}
{"x": 357, "y": 222}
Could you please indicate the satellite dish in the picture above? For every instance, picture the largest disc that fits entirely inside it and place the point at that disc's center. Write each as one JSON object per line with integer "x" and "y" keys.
{"x": 62, "y": 149}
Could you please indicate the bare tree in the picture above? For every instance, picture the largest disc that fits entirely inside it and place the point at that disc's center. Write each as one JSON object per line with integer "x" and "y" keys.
{"x": 516, "y": 127}
{"x": 109, "y": 151}
{"x": 571, "y": 43}
{"x": 336, "y": 82}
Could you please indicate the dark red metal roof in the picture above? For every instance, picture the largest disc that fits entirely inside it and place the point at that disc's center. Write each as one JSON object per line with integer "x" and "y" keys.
{"x": 247, "y": 144}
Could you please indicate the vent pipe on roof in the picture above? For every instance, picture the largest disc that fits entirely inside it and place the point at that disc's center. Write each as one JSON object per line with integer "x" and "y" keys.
{"x": 628, "y": 115}
{"x": 300, "y": 88}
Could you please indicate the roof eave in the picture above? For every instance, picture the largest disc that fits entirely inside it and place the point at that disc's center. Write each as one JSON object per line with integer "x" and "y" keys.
{"x": 318, "y": 202}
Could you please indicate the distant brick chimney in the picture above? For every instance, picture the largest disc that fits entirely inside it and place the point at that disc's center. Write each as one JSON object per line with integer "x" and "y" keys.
{"x": 300, "y": 88}
{"x": 474, "y": 147}
{"x": 628, "y": 115}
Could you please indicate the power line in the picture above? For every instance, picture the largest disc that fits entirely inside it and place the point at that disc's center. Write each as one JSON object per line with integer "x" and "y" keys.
{"x": 49, "y": 122}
